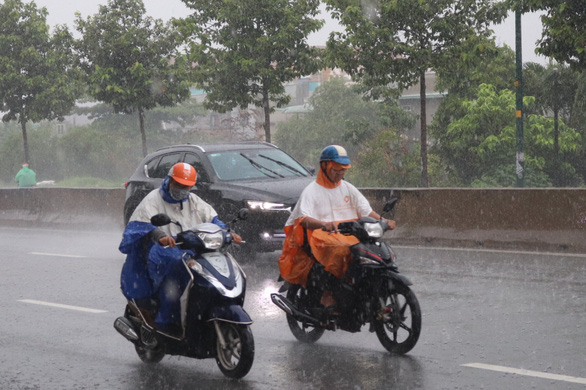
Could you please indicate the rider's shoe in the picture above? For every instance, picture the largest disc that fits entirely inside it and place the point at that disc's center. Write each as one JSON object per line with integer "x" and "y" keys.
{"x": 327, "y": 299}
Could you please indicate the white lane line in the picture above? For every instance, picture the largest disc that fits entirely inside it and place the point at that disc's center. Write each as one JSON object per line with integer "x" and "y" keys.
{"x": 56, "y": 254}
{"x": 62, "y": 306}
{"x": 514, "y": 252}
{"x": 519, "y": 371}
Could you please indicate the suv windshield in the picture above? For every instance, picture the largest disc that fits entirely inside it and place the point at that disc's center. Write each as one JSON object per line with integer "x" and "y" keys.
{"x": 255, "y": 164}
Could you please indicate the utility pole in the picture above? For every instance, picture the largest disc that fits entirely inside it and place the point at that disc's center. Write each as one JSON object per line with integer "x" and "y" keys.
{"x": 520, "y": 164}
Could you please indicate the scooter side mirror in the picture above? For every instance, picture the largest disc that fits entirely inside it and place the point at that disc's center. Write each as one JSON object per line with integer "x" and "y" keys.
{"x": 390, "y": 204}
{"x": 160, "y": 219}
{"x": 243, "y": 213}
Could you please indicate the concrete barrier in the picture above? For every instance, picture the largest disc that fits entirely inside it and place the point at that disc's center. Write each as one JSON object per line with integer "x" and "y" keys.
{"x": 78, "y": 208}
{"x": 507, "y": 218}
{"x": 531, "y": 219}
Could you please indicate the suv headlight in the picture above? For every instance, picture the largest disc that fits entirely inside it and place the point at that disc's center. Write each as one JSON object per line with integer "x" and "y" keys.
{"x": 374, "y": 229}
{"x": 212, "y": 240}
{"x": 260, "y": 205}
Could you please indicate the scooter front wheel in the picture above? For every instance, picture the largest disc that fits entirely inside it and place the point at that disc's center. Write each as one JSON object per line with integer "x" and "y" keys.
{"x": 236, "y": 357}
{"x": 150, "y": 356}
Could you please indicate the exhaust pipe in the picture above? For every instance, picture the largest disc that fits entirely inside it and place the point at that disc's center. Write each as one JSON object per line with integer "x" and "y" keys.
{"x": 288, "y": 307}
{"x": 125, "y": 328}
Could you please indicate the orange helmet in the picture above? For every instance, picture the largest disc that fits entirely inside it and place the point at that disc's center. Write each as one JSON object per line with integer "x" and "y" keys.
{"x": 183, "y": 173}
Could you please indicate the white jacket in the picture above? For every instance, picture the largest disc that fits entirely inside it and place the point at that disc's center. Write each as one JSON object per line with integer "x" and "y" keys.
{"x": 189, "y": 213}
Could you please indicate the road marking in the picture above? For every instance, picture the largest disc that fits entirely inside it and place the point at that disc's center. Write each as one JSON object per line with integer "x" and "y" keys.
{"x": 445, "y": 248}
{"x": 56, "y": 254}
{"x": 62, "y": 306}
{"x": 519, "y": 371}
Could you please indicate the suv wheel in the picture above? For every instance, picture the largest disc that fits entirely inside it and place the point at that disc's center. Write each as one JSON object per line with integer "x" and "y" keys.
{"x": 129, "y": 207}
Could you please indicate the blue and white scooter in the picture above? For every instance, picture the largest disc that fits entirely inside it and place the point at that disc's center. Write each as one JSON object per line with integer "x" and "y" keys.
{"x": 213, "y": 321}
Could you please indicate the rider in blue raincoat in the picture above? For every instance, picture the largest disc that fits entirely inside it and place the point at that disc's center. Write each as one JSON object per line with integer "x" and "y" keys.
{"x": 154, "y": 266}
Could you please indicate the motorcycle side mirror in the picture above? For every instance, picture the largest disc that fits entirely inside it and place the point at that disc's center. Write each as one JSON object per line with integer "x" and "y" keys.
{"x": 160, "y": 219}
{"x": 243, "y": 213}
{"x": 390, "y": 204}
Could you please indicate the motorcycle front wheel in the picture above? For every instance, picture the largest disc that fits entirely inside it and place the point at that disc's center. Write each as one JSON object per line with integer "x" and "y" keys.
{"x": 398, "y": 322}
{"x": 306, "y": 333}
{"x": 235, "y": 359}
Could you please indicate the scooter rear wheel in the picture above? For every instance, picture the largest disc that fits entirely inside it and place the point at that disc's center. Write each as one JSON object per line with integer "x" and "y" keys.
{"x": 306, "y": 333}
{"x": 235, "y": 360}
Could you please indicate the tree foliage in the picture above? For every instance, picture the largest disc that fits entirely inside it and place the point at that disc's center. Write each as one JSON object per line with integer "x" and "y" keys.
{"x": 37, "y": 80}
{"x": 396, "y": 41}
{"x": 564, "y": 29}
{"x": 338, "y": 115}
{"x": 131, "y": 61}
{"x": 480, "y": 146}
{"x": 246, "y": 50}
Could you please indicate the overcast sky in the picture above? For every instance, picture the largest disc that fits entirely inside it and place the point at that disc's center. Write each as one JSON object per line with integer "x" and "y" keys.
{"x": 62, "y": 12}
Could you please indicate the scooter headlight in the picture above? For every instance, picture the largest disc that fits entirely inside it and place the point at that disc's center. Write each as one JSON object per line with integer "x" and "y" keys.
{"x": 212, "y": 240}
{"x": 374, "y": 230}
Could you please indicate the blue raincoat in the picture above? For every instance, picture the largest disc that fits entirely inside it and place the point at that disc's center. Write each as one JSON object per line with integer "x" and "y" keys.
{"x": 151, "y": 270}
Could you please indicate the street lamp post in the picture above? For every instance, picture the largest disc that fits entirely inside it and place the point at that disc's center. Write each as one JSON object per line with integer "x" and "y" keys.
{"x": 556, "y": 107}
{"x": 520, "y": 164}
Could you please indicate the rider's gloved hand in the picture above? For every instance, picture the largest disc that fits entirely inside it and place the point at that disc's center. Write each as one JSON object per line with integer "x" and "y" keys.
{"x": 167, "y": 241}
{"x": 236, "y": 238}
{"x": 330, "y": 226}
{"x": 392, "y": 224}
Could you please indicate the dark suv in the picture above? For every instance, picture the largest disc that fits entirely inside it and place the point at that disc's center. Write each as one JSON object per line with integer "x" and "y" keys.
{"x": 230, "y": 176}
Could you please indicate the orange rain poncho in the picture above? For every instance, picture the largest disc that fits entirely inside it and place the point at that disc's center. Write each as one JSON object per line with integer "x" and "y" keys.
{"x": 327, "y": 202}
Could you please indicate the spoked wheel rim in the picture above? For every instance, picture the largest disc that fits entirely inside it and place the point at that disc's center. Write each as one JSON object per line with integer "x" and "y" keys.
{"x": 398, "y": 322}
{"x": 306, "y": 333}
{"x": 235, "y": 359}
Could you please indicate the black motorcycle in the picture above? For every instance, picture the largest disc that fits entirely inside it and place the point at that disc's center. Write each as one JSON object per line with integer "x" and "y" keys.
{"x": 214, "y": 323}
{"x": 372, "y": 291}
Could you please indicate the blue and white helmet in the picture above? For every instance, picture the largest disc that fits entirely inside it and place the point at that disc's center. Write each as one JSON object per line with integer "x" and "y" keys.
{"x": 335, "y": 153}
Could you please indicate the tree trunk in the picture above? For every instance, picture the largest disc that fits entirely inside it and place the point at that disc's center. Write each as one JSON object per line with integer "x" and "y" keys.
{"x": 266, "y": 107}
{"x": 423, "y": 114}
{"x": 142, "y": 131}
{"x": 25, "y": 142}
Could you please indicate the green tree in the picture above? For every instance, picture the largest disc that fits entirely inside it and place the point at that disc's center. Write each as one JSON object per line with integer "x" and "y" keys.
{"x": 246, "y": 50}
{"x": 481, "y": 144}
{"x": 132, "y": 61}
{"x": 564, "y": 29}
{"x": 396, "y": 41}
{"x": 338, "y": 115}
{"x": 37, "y": 80}
{"x": 487, "y": 64}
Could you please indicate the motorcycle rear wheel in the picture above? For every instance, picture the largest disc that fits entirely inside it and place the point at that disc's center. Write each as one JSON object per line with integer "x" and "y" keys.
{"x": 151, "y": 356}
{"x": 236, "y": 359}
{"x": 306, "y": 333}
{"x": 399, "y": 329}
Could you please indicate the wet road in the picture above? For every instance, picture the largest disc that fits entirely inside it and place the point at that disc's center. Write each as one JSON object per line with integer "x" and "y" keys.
{"x": 491, "y": 320}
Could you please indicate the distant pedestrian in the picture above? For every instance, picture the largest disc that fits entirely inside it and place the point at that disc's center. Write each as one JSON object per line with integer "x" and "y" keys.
{"x": 26, "y": 177}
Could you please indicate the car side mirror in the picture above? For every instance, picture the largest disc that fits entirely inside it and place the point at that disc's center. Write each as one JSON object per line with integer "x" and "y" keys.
{"x": 160, "y": 219}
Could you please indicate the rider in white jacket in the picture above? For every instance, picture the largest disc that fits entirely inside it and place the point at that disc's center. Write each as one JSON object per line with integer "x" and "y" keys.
{"x": 162, "y": 267}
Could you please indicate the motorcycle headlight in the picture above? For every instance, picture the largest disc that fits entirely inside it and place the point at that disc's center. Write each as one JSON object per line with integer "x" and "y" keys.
{"x": 264, "y": 206}
{"x": 212, "y": 240}
{"x": 374, "y": 230}
{"x": 366, "y": 261}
